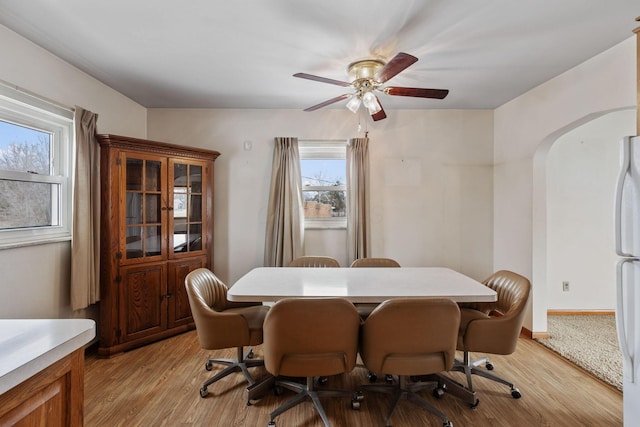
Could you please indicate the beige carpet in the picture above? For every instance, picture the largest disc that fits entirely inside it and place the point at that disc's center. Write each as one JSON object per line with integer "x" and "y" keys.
{"x": 590, "y": 342}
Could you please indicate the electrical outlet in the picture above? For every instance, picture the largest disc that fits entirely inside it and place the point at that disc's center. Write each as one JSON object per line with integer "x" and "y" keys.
{"x": 565, "y": 286}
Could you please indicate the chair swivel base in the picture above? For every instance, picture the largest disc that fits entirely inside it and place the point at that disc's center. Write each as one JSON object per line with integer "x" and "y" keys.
{"x": 472, "y": 367}
{"x": 305, "y": 391}
{"x": 403, "y": 390}
{"x": 241, "y": 363}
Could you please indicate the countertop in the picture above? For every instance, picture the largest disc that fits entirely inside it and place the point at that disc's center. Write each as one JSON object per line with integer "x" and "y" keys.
{"x": 27, "y": 346}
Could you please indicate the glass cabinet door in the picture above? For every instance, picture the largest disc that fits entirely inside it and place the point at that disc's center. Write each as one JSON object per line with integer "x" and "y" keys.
{"x": 143, "y": 206}
{"x": 187, "y": 188}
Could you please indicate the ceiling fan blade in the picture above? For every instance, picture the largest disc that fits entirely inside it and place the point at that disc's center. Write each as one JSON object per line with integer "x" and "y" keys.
{"x": 394, "y": 66}
{"x": 380, "y": 114}
{"x": 329, "y": 102}
{"x": 321, "y": 79}
{"x": 416, "y": 92}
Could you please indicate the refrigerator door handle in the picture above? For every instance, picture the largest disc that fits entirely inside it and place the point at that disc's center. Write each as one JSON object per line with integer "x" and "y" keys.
{"x": 624, "y": 169}
{"x": 621, "y": 319}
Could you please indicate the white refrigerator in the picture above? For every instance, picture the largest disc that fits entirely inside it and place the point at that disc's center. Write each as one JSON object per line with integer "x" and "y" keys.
{"x": 627, "y": 229}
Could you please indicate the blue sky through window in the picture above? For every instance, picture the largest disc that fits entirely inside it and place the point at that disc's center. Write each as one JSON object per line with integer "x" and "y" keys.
{"x": 11, "y": 134}
{"x": 35, "y": 157}
{"x": 323, "y": 171}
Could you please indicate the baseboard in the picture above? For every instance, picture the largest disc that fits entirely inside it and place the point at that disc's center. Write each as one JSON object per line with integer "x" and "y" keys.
{"x": 533, "y": 335}
{"x": 544, "y": 335}
{"x": 579, "y": 312}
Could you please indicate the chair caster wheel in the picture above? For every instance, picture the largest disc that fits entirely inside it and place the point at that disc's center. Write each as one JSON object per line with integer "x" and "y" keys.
{"x": 208, "y": 366}
{"x": 271, "y": 424}
{"x": 489, "y": 366}
{"x": 388, "y": 379}
{"x": 474, "y": 405}
{"x": 438, "y": 392}
{"x": 515, "y": 393}
{"x": 447, "y": 424}
{"x": 372, "y": 377}
{"x": 250, "y": 354}
{"x": 355, "y": 405}
{"x": 322, "y": 380}
{"x": 203, "y": 392}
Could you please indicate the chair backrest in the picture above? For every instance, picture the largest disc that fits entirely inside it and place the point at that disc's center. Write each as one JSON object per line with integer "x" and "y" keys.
{"x": 314, "y": 261}
{"x": 208, "y": 301}
{"x": 513, "y": 293}
{"x": 411, "y": 336}
{"x": 500, "y": 333}
{"x": 311, "y": 337}
{"x": 375, "y": 262}
{"x": 207, "y": 289}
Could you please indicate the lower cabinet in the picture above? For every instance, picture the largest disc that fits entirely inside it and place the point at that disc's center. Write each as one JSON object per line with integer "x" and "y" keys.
{"x": 143, "y": 302}
{"x": 178, "y": 301}
{"x": 153, "y": 304}
{"x": 52, "y": 397}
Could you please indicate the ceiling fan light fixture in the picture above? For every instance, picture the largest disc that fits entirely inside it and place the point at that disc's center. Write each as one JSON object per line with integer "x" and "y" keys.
{"x": 371, "y": 103}
{"x": 369, "y": 75}
{"x": 354, "y": 103}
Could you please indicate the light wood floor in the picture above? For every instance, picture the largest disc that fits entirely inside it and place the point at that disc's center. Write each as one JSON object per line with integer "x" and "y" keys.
{"x": 158, "y": 385}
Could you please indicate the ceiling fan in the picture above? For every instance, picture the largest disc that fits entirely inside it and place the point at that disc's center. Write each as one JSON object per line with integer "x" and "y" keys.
{"x": 368, "y": 76}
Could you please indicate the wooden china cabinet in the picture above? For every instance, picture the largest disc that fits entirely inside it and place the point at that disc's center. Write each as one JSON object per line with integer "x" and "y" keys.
{"x": 156, "y": 227}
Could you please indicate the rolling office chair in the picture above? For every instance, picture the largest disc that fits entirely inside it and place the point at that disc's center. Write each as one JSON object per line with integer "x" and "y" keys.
{"x": 314, "y": 261}
{"x": 310, "y": 338}
{"x": 407, "y": 337}
{"x": 224, "y": 324}
{"x": 493, "y": 327}
{"x": 375, "y": 262}
{"x": 365, "y": 309}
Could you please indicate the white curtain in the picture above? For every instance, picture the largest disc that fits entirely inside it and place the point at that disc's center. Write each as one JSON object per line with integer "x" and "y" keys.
{"x": 85, "y": 243}
{"x": 358, "y": 233}
{"x": 285, "y": 216}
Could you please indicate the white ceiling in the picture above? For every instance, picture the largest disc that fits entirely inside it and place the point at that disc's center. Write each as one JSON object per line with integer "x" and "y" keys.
{"x": 243, "y": 53}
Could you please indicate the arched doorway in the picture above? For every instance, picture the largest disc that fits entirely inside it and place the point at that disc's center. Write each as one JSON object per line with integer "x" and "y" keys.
{"x": 574, "y": 176}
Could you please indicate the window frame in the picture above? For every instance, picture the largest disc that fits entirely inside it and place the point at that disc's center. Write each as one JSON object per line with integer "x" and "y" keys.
{"x": 325, "y": 149}
{"x": 23, "y": 109}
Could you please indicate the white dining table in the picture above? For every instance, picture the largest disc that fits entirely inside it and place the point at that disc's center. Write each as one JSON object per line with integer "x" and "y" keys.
{"x": 358, "y": 285}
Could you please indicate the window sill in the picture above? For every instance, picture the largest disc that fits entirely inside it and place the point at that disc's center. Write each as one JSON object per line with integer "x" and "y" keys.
{"x": 311, "y": 224}
{"x": 43, "y": 241}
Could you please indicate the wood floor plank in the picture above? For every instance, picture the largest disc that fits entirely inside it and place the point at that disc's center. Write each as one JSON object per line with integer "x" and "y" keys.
{"x": 158, "y": 385}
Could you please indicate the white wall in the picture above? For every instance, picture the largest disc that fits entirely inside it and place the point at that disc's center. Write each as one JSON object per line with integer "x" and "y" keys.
{"x": 35, "y": 279}
{"x": 431, "y": 181}
{"x": 582, "y": 169}
{"x": 446, "y": 219}
{"x": 528, "y": 125}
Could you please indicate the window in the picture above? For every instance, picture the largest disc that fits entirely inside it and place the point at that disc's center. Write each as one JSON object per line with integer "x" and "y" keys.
{"x": 35, "y": 183}
{"x": 323, "y": 168}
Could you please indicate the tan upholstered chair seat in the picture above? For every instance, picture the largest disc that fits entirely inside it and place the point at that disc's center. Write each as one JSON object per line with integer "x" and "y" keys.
{"x": 254, "y": 317}
{"x": 493, "y": 327}
{"x": 406, "y": 337}
{"x": 223, "y": 324}
{"x": 467, "y": 315}
{"x": 310, "y": 338}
